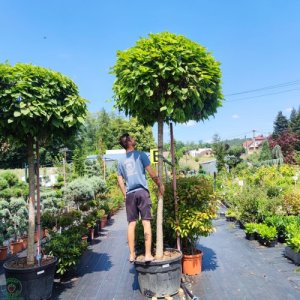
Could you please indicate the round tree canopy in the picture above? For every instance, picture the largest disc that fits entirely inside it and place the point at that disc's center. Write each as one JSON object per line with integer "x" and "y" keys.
{"x": 38, "y": 103}
{"x": 167, "y": 75}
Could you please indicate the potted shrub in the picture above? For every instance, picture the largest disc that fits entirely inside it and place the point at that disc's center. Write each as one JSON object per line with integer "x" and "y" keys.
{"x": 38, "y": 106}
{"x": 267, "y": 235}
{"x": 165, "y": 78}
{"x": 251, "y": 231}
{"x": 230, "y": 215}
{"x": 197, "y": 207}
{"x": 292, "y": 250}
{"x": 68, "y": 247}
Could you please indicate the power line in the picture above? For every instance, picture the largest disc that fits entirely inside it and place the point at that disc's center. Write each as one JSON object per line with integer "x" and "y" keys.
{"x": 279, "y": 85}
{"x": 259, "y": 96}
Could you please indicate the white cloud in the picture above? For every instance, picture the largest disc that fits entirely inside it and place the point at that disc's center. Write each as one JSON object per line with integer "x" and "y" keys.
{"x": 235, "y": 116}
{"x": 289, "y": 109}
{"x": 190, "y": 123}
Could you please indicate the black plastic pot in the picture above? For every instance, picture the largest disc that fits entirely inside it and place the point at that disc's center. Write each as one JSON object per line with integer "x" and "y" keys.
{"x": 159, "y": 278}
{"x": 250, "y": 236}
{"x": 34, "y": 283}
{"x": 267, "y": 243}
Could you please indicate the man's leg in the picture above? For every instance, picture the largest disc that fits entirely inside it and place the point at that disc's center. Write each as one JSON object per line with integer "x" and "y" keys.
{"x": 131, "y": 236}
{"x": 148, "y": 239}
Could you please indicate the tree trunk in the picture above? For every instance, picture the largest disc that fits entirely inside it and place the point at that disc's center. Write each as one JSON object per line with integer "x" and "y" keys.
{"x": 159, "y": 220}
{"x": 31, "y": 203}
{"x": 174, "y": 182}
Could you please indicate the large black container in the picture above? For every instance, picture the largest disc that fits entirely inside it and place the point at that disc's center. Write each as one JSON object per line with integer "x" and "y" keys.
{"x": 159, "y": 278}
{"x": 34, "y": 283}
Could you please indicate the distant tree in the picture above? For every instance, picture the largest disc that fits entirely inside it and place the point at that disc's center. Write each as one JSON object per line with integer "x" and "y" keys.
{"x": 281, "y": 124}
{"x": 287, "y": 141}
{"x": 219, "y": 151}
{"x": 265, "y": 153}
{"x": 294, "y": 121}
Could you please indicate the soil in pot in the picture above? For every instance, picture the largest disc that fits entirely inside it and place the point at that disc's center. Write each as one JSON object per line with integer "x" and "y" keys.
{"x": 192, "y": 264}
{"x": 27, "y": 282}
{"x": 160, "y": 278}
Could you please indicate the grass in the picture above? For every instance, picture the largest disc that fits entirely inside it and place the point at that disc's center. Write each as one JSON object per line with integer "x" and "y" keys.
{"x": 192, "y": 163}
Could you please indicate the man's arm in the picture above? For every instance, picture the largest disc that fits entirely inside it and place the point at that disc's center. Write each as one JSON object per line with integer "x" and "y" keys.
{"x": 156, "y": 179}
{"x": 122, "y": 185}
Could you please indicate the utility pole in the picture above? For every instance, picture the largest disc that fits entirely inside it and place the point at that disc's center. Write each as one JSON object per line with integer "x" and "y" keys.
{"x": 246, "y": 143}
{"x": 64, "y": 151}
{"x": 253, "y": 139}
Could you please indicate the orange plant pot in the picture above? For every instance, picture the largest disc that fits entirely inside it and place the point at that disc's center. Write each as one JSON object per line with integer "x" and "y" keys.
{"x": 103, "y": 221}
{"x": 24, "y": 240}
{"x": 192, "y": 264}
{"x": 16, "y": 247}
{"x": 3, "y": 252}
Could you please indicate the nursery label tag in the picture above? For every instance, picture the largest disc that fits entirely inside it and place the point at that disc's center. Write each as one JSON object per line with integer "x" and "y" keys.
{"x": 40, "y": 272}
{"x": 154, "y": 156}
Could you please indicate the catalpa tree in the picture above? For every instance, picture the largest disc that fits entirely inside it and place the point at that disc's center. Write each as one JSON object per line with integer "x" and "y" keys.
{"x": 163, "y": 78}
{"x": 37, "y": 106}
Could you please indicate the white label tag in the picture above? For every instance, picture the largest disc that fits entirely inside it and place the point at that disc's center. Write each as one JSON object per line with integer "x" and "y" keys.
{"x": 166, "y": 265}
{"x": 40, "y": 272}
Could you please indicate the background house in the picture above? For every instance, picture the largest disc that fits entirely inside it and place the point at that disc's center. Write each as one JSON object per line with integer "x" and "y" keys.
{"x": 254, "y": 144}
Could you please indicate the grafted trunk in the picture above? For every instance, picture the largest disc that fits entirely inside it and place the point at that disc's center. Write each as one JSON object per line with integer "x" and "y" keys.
{"x": 159, "y": 220}
{"x": 31, "y": 202}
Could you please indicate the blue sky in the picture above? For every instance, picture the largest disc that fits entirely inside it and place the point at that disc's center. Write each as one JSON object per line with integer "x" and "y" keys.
{"x": 257, "y": 43}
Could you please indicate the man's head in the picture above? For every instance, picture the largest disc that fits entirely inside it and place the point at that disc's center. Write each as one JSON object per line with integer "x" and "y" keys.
{"x": 126, "y": 141}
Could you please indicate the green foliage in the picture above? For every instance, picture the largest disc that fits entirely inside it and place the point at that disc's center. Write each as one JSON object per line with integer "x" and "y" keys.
{"x": 293, "y": 236}
{"x": 281, "y": 124}
{"x": 68, "y": 247}
{"x": 49, "y": 220}
{"x": 79, "y": 191}
{"x": 101, "y": 131}
{"x": 197, "y": 206}
{"x": 79, "y": 162}
{"x": 266, "y": 232}
{"x": 291, "y": 202}
{"x": 265, "y": 153}
{"x": 35, "y": 100}
{"x": 69, "y": 218}
{"x": 168, "y": 75}
{"x": 11, "y": 178}
{"x": 219, "y": 151}
{"x": 92, "y": 168}
{"x": 3, "y": 183}
{"x": 98, "y": 185}
{"x": 250, "y": 228}
{"x": 14, "y": 212}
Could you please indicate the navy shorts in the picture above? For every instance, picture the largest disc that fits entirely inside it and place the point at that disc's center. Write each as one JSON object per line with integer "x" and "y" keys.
{"x": 138, "y": 203}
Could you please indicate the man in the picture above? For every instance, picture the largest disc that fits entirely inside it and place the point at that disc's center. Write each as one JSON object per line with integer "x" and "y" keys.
{"x": 132, "y": 170}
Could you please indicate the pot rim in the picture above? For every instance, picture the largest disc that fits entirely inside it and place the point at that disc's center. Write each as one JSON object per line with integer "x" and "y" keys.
{"x": 198, "y": 253}
{"x": 159, "y": 262}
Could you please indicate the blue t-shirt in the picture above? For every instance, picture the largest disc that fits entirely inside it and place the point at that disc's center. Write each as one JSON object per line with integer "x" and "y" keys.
{"x": 132, "y": 169}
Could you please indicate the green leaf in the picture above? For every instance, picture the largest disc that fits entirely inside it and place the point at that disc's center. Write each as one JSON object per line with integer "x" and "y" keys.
{"x": 25, "y": 111}
{"x": 163, "y": 108}
{"x": 17, "y": 114}
{"x": 10, "y": 121}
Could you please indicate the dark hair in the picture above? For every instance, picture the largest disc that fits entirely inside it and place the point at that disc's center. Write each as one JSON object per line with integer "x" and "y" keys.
{"x": 123, "y": 140}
